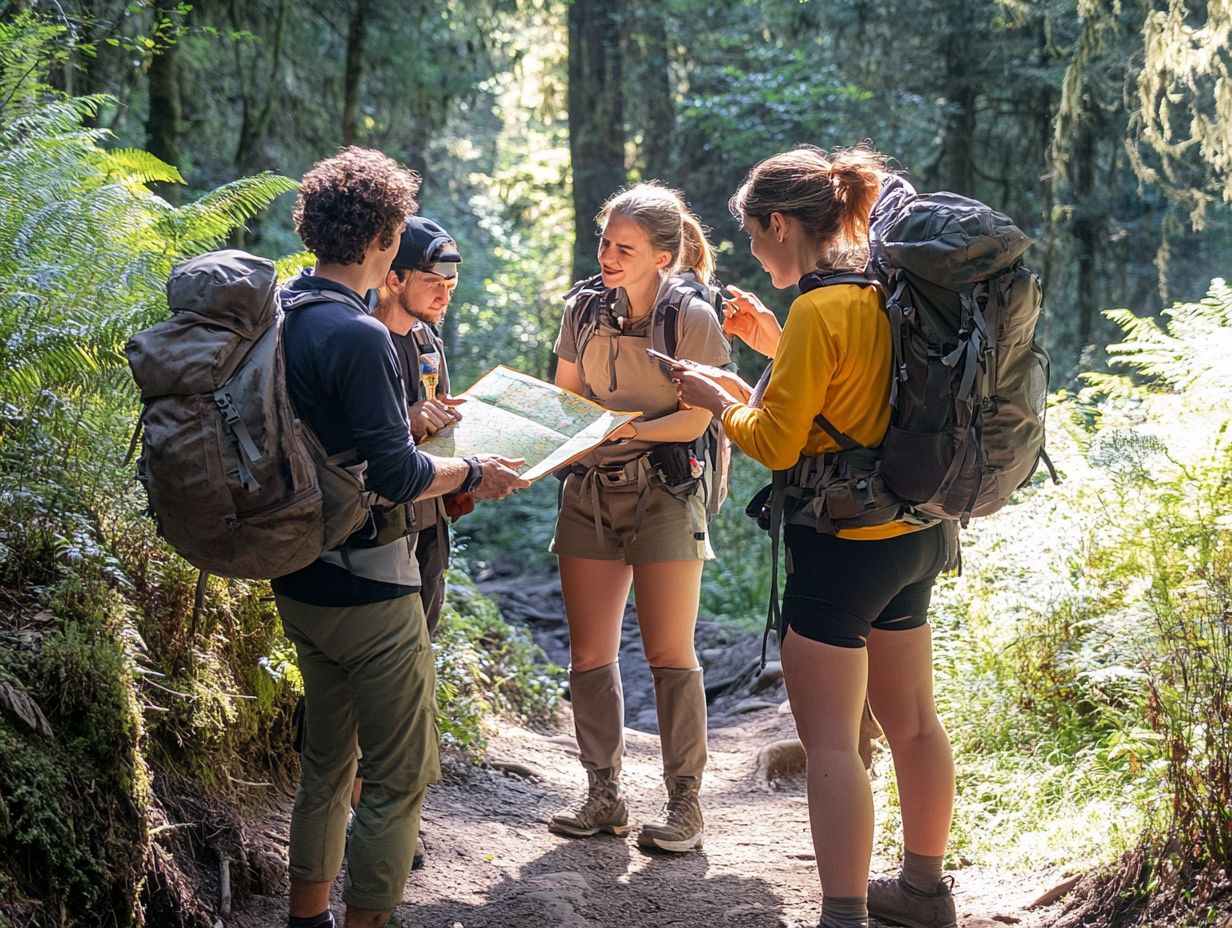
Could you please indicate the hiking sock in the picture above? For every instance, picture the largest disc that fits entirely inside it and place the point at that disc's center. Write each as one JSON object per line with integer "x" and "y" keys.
{"x": 324, "y": 920}
{"x": 843, "y": 912}
{"x": 921, "y": 872}
{"x": 599, "y": 717}
{"x": 680, "y": 703}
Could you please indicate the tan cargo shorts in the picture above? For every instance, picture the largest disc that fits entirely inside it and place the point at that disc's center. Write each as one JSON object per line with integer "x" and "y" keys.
{"x": 599, "y": 520}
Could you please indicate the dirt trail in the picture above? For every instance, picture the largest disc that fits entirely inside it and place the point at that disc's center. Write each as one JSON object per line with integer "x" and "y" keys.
{"x": 493, "y": 864}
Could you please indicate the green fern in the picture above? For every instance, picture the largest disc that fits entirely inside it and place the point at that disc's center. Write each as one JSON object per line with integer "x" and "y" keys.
{"x": 1191, "y": 353}
{"x": 133, "y": 164}
{"x": 291, "y": 265}
{"x": 205, "y": 223}
{"x": 85, "y": 246}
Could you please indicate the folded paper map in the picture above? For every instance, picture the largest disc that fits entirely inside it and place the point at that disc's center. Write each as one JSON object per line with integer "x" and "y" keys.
{"x": 517, "y": 416}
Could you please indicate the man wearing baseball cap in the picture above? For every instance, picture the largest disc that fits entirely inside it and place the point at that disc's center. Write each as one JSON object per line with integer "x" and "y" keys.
{"x": 411, "y": 304}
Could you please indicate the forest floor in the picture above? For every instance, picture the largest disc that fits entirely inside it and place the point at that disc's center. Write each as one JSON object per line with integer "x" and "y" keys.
{"x": 492, "y": 863}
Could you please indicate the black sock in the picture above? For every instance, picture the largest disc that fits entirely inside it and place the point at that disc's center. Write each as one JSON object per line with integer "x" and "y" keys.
{"x": 844, "y": 912}
{"x": 921, "y": 872}
{"x": 324, "y": 920}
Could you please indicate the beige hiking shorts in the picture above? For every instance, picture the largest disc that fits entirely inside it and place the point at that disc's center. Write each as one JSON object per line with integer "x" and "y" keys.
{"x": 599, "y": 520}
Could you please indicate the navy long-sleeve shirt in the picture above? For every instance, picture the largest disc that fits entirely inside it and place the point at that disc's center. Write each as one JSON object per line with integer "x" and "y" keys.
{"x": 344, "y": 381}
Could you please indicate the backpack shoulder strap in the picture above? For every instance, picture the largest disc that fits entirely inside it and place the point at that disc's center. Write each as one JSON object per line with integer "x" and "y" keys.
{"x": 291, "y": 300}
{"x": 845, "y": 441}
{"x": 816, "y": 279}
{"x": 684, "y": 290}
{"x": 584, "y": 313}
{"x": 812, "y": 282}
{"x": 586, "y": 283}
{"x": 670, "y": 308}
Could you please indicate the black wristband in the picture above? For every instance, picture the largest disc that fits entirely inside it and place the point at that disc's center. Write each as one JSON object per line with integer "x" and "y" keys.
{"x": 474, "y": 475}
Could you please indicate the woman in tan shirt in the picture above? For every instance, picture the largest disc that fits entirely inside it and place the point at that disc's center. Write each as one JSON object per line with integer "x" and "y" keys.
{"x": 633, "y": 511}
{"x": 856, "y": 601}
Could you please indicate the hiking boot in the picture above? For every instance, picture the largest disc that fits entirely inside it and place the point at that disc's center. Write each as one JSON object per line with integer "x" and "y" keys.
{"x": 893, "y": 900}
{"x": 601, "y": 809}
{"x": 682, "y": 827}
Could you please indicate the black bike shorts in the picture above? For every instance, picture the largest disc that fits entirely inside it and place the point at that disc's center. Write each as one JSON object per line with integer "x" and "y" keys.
{"x": 839, "y": 589}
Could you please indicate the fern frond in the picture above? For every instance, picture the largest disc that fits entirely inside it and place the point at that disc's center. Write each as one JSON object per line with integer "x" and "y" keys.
{"x": 205, "y": 223}
{"x": 291, "y": 265}
{"x": 65, "y": 115}
{"x": 63, "y": 364}
{"x": 1110, "y": 386}
{"x": 1191, "y": 353}
{"x": 133, "y": 164}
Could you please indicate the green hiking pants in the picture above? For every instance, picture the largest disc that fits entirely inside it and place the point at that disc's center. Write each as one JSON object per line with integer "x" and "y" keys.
{"x": 370, "y": 686}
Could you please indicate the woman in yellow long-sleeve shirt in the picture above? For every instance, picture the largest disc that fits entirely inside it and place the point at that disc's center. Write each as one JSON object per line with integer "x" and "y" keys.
{"x": 856, "y": 601}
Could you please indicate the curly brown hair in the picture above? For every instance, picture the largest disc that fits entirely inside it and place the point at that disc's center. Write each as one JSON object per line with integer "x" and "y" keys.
{"x": 347, "y": 200}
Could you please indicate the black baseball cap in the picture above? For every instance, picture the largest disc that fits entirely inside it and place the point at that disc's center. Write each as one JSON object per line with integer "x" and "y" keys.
{"x": 427, "y": 247}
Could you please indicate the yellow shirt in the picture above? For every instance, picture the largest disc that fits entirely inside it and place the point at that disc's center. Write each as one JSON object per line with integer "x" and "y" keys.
{"x": 834, "y": 357}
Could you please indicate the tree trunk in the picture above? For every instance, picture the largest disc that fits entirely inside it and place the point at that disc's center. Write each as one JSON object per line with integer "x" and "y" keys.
{"x": 354, "y": 73}
{"x": 1086, "y": 229}
{"x": 163, "y": 123}
{"x": 255, "y": 117}
{"x": 596, "y": 117}
{"x": 660, "y": 109}
{"x": 956, "y": 165}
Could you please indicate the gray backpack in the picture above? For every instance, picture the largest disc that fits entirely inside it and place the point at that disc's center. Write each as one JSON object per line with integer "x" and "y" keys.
{"x": 236, "y": 483}
{"x": 970, "y": 381}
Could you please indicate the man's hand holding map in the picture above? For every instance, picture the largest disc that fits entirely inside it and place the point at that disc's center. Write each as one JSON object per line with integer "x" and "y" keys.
{"x": 517, "y": 416}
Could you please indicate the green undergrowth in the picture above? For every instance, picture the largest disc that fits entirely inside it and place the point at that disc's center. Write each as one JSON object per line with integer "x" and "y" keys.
{"x": 487, "y": 669}
{"x": 146, "y": 706}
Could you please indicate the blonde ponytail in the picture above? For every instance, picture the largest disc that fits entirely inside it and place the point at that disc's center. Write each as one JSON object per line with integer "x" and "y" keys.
{"x": 696, "y": 252}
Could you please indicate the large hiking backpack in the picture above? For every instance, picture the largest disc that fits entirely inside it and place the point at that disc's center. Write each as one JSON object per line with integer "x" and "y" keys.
{"x": 714, "y": 444}
{"x": 970, "y": 381}
{"x": 236, "y": 483}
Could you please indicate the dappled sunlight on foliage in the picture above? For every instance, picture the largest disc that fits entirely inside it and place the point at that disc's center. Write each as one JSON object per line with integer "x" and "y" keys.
{"x": 1085, "y": 656}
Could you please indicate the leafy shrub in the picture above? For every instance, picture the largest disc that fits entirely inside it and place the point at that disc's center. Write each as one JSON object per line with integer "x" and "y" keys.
{"x": 154, "y": 707}
{"x": 1083, "y": 657}
{"x": 487, "y": 668}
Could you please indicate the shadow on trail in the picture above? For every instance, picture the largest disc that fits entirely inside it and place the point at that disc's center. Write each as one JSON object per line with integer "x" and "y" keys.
{"x": 608, "y": 881}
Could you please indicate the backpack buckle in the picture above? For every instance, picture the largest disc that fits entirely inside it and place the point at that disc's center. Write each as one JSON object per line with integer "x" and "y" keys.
{"x": 226, "y": 406}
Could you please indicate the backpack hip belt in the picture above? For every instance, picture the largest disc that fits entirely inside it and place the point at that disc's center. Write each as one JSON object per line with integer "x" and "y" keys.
{"x": 840, "y": 489}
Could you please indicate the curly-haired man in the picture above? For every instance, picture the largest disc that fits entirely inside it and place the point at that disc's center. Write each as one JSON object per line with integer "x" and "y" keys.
{"x": 355, "y": 615}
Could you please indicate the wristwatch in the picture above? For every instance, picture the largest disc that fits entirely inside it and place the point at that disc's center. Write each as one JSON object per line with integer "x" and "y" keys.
{"x": 474, "y": 475}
